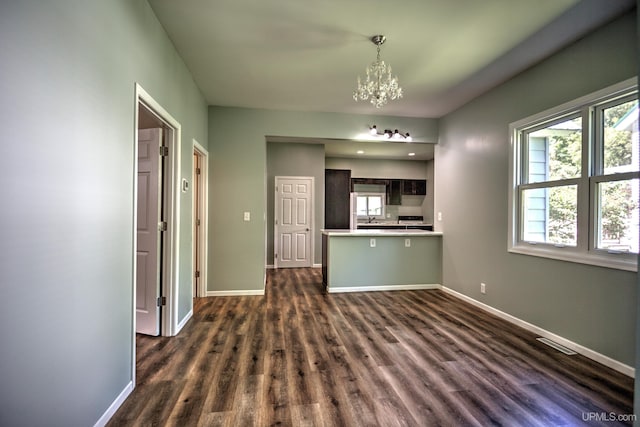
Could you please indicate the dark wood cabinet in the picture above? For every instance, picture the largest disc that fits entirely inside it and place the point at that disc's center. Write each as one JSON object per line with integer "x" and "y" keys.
{"x": 394, "y": 192}
{"x": 395, "y": 188}
{"x": 337, "y": 186}
{"x": 368, "y": 181}
{"x": 414, "y": 187}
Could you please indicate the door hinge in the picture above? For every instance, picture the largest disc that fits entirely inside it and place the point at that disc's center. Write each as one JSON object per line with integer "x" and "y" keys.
{"x": 275, "y": 256}
{"x": 276, "y": 222}
{"x": 197, "y": 222}
{"x": 164, "y": 150}
{"x": 162, "y": 226}
{"x": 197, "y": 171}
{"x": 197, "y": 274}
{"x": 162, "y": 301}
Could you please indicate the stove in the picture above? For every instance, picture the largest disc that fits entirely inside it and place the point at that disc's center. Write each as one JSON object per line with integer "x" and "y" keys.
{"x": 410, "y": 219}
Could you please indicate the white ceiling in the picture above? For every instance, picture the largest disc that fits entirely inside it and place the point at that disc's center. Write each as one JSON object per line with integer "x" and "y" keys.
{"x": 303, "y": 55}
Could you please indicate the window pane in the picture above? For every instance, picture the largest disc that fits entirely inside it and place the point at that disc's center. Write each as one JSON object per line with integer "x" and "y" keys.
{"x": 550, "y": 215}
{"x": 361, "y": 205}
{"x": 555, "y": 152}
{"x": 375, "y": 205}
{"x": 621, "y": 137}
{"x": 618, "y": 215}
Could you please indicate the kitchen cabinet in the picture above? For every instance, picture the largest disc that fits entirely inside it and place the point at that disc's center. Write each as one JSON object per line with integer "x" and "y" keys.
{"x": 394, "y": 192}
{"x": 414, "y": 187}
{"x": 368, "y": 181}
{"x": 337, "y": 186}
{"x": 393, "y": 188}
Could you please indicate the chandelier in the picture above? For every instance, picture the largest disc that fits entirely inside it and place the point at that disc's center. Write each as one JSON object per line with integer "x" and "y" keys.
{"x": 380, "y": 85}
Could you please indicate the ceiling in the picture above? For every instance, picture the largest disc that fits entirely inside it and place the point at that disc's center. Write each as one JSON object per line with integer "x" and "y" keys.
{"x": 302, "y": 55}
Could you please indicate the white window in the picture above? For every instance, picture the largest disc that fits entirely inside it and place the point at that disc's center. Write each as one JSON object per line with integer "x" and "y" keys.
{"x": 370, "y": 205}
{"x": 574, "y": 180}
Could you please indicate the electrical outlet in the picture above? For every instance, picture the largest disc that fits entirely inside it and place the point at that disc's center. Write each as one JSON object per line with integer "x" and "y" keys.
{"x": 439, "y": 216}
{"x": 372, "y": 243}
{"x": 247, "y": 216}
{"x": 407, "y": 243}
{"x": 483, "y": 288}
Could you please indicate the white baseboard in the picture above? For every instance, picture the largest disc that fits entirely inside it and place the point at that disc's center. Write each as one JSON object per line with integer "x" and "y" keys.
{"x": 587, "y": 352}
{"x": 184, "y": 321}
{"x": 104, "y": 419}
{"x": 272, "y": 267}
{"x": 235, "y": 293}
{"x": 333, "y": 290}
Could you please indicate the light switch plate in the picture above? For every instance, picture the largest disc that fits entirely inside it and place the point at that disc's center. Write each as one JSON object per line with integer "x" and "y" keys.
{"x": 407, "y": 243}
{"x": 372, "y": 243}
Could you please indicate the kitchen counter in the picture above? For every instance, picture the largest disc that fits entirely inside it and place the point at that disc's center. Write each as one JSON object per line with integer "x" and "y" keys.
{"x": 394, "y": 226}
{"x": 381, "y": 260}
{"x": 380, "y": 232}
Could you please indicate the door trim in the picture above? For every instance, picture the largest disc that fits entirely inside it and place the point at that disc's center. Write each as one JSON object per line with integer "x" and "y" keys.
{"x": 170, "y": 254}
{"x": 203, "y": 242}
{"x": 312, "y": 219}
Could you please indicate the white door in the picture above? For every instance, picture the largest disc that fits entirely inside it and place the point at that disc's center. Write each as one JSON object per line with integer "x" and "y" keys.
{"x": 293, "y": 230}
{"x": 148, "y": 243}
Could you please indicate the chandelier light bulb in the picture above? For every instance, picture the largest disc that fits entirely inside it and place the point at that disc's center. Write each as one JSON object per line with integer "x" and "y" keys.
{"x": 380, "y": 85}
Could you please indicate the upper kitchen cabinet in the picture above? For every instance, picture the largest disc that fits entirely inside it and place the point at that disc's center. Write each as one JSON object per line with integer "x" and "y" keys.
{"x": 414, "y": 187}
{"x": 394, "y": 192}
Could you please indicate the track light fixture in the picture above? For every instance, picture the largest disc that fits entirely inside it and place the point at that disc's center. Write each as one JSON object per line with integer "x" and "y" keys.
{"x": 389, "y": 134}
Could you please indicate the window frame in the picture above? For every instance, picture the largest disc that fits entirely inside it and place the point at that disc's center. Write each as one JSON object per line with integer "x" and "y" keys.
{"x": 592, "y": 172}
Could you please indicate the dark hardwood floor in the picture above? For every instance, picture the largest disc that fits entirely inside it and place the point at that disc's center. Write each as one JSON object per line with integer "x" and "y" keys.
{"x": 298, "y": 357}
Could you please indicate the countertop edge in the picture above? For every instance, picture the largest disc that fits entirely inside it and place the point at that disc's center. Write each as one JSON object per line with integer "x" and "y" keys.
{"x": 376, "y": 233}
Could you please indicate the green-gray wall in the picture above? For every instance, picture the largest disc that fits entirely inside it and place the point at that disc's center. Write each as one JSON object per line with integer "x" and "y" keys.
{"x": 67, "y": 109}
{"x": 592, "y": 306}
{"x": 238, "y": 181}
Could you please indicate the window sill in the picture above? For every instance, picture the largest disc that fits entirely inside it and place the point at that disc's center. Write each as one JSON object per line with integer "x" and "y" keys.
{"x": 626, "y": 262}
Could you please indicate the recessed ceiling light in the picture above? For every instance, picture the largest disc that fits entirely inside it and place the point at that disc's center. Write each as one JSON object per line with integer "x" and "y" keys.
{"x": 412, "y": 154}
{"x": 360, "y": 152}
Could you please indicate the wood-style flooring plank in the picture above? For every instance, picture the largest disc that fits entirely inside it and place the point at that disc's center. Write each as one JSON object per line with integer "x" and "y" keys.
{"x": 298, "y": 356}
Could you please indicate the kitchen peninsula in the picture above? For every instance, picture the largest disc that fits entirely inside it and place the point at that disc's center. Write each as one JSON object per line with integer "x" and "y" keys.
{"x": 380, "y": 260}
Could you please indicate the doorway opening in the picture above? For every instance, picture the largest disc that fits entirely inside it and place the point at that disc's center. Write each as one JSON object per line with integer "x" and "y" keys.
{"x": 200, "y": 214}
{"x": 163, "y": 227}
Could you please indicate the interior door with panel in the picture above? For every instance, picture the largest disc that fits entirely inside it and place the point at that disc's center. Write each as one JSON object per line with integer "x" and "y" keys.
{"x": 294, "y": 219}
{"x": 148, "y": 232}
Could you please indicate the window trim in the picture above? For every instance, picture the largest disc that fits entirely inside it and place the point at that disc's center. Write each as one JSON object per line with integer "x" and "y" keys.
{"x": 585, "y": 251}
